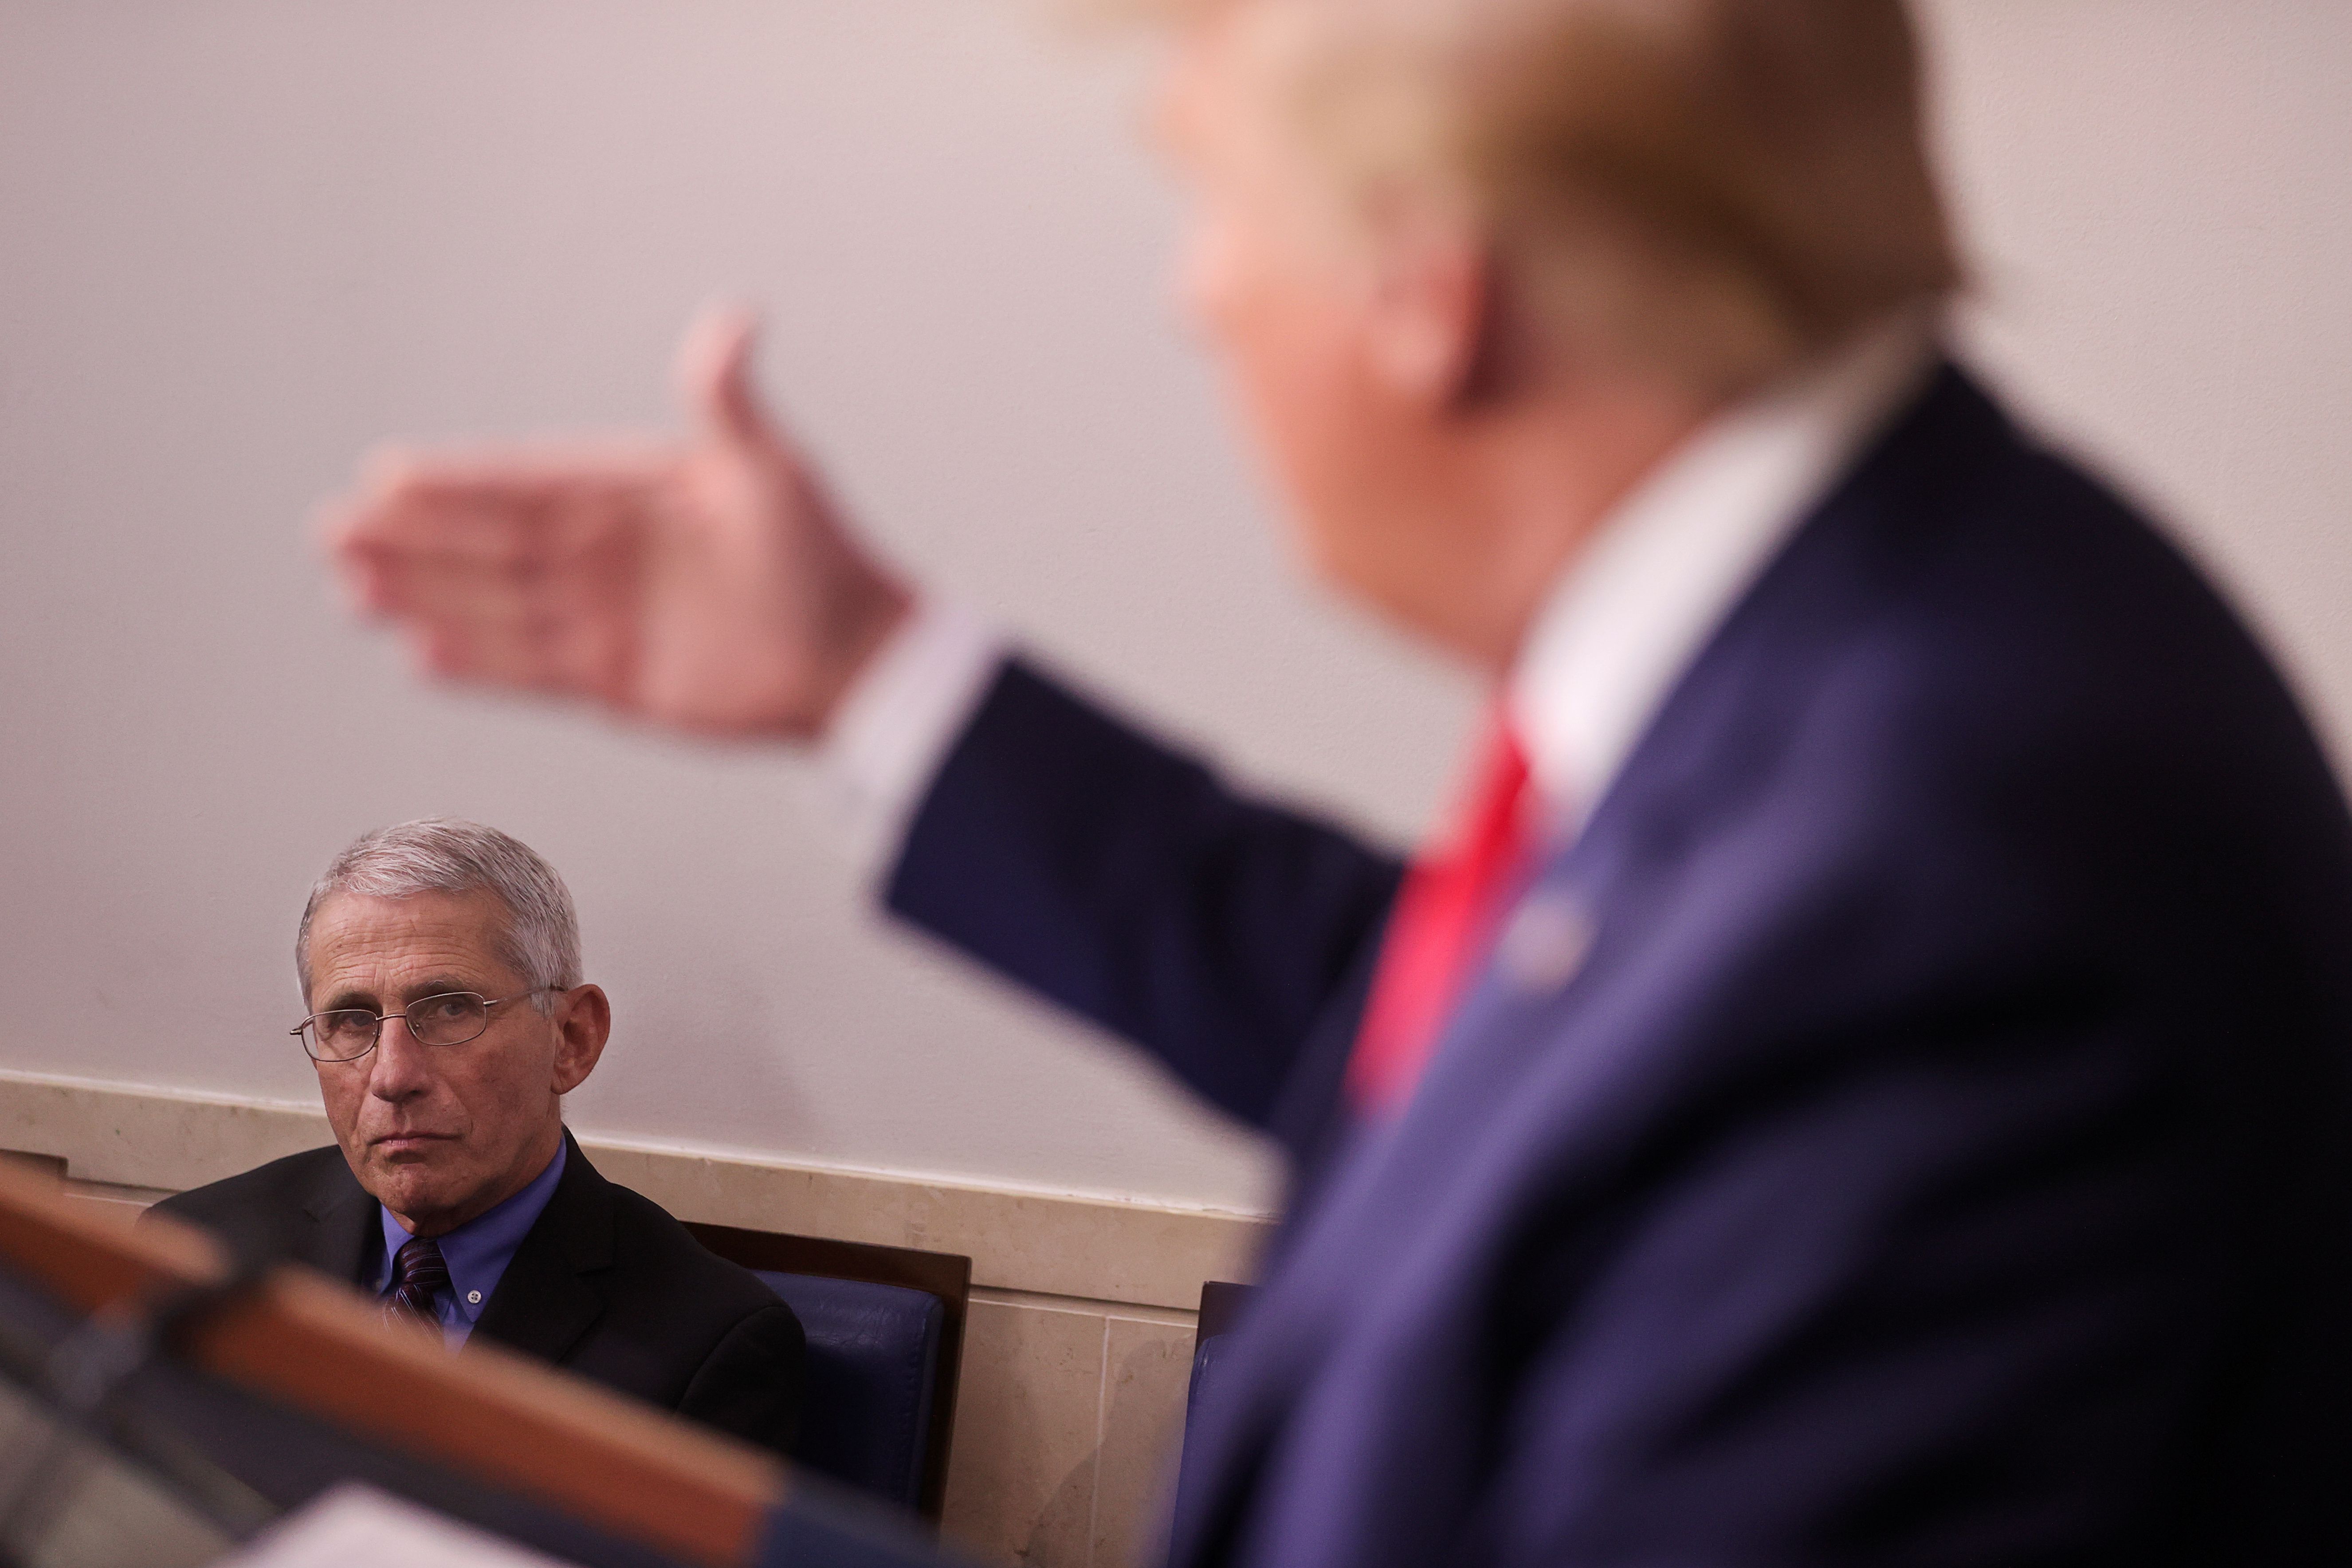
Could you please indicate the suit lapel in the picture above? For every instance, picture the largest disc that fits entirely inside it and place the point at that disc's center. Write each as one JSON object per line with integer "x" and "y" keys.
{"x": 553, "y": 1289}
{"x": 344, "y": 1237}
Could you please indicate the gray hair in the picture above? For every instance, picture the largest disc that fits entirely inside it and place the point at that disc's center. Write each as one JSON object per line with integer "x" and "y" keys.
{"x": 444, "y": 855}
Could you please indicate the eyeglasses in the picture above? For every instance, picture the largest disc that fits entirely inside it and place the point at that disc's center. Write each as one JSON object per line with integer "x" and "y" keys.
{"x": 452, "y": 1018}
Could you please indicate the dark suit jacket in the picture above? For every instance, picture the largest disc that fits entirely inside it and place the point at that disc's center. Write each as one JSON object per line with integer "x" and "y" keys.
{"x": 606, "y": 1285}
{"x": 1943, "y": 1153}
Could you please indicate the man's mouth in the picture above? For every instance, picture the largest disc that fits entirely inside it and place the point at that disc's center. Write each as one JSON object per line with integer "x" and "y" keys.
{"x": 409, "y": 1143}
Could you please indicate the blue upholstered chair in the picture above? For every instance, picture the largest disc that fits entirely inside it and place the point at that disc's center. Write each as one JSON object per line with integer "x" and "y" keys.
{"x": 885, "y": 1329}
{"x": 1221, "y": 1307}
{"x": 873, "y": 1364}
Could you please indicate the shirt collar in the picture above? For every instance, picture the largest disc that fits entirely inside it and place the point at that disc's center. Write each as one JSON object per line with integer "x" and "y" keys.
{"x": 478, "y": 1252}
{"x": 1664, "y": 569}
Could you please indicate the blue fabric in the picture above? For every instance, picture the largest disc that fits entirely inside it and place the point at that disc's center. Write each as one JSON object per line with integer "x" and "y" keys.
{"x": 1208, "y": 1362}
{"x": 816, "y": 1529}
{"x": 873, "y": 1352}
{"x": 1943, "y": 1153}
{"x": 1140, "y": 893}
{"x": 477, "y": 1252}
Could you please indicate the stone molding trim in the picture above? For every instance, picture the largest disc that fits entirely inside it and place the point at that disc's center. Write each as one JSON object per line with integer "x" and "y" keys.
{"x": 1148, "y": 1255}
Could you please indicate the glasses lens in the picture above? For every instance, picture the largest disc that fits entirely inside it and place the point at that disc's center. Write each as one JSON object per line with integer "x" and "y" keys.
{"x": 449, "y": 1020}
{"x": 339, "y": 1036}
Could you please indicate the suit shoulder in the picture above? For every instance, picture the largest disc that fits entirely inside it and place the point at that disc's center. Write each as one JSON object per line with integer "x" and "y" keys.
{"x": 654, "y": 1245}
{"x": 1982, "y": 623}
{"x": 281, "y": 1185}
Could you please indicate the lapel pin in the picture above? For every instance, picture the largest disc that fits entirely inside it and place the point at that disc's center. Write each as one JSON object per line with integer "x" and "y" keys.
{"x": 1545, "y": 942}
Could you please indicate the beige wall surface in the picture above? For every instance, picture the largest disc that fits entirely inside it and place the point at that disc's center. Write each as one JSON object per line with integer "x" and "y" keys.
{"x": 240, "y": 240}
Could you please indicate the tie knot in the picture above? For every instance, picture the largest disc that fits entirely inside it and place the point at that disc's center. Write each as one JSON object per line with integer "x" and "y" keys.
{"x": 419, "y": 1266}
{"x": 1494, "y": 811}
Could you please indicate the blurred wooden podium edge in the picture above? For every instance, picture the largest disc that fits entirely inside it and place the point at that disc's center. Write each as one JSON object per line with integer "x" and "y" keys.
{"x": 319, "y": 1346}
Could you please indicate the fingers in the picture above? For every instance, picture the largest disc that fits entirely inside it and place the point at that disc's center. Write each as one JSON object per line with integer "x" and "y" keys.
{"x": 714, "y": 376}
{"x": 571, "y": 631}
{"x": 507, "y": 514}
{"x": 500, "y": 560}
{"x": 561, "y": 660}
{"x": 515, "y": 570}
{"x": 394, "y": 477}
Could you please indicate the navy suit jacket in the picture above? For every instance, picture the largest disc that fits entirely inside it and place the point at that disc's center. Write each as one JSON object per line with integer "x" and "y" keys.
{"x": 1942, "y": 1153}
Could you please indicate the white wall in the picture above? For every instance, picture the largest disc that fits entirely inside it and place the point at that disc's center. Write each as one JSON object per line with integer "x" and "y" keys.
{"x": 239, "y": 242}
{"x": 2159, "y": 197}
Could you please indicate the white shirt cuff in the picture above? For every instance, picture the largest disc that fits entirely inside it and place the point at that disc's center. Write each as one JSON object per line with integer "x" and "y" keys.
{"x": 899, "y": 723}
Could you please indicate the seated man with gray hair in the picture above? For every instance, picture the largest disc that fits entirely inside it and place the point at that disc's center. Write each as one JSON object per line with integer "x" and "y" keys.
{"x": 441, "y": 960}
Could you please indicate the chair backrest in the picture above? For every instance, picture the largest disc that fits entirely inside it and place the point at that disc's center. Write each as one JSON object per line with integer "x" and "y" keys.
{"x": 1221, "y": 1308}
{"x": 872, "y": 1350}
{"x": 885, "y": 1329}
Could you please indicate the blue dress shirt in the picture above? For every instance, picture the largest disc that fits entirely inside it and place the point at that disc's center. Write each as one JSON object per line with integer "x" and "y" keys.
{"x": 477, "y": 1252}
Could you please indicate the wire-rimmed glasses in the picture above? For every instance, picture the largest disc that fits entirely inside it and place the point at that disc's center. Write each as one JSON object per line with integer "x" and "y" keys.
{"x": 449, "y": 1018}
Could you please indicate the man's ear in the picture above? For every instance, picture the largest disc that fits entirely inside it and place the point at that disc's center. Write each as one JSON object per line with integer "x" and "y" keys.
{"x": 583, "y": 1022}
{"x": 1427, "y": 314}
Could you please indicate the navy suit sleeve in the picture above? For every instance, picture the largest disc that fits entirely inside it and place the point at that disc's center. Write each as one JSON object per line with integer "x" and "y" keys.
{"x": 1126, "y": 882}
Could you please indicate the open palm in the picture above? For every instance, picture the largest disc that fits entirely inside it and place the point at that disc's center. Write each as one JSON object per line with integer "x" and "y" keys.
{"x": 705, "y": 585}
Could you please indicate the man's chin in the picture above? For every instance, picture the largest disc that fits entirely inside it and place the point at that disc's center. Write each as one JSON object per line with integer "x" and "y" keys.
{"x": 415, "y": 1184}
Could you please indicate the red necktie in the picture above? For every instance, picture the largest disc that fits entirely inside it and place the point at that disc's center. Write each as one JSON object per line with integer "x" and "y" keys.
{"x": 1444, "y": 916}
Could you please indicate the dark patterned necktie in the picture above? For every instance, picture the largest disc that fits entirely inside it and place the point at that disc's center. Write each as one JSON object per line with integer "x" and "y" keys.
{"x": 417, "y": 1271}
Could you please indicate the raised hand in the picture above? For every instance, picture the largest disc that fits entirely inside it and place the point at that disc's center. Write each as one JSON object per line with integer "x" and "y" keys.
{"x": 707, "y": 585}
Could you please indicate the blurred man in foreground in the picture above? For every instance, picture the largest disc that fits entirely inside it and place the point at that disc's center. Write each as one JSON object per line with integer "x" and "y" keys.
{"x": 1865, "y": 1080}
{"x": 442, "y": 960}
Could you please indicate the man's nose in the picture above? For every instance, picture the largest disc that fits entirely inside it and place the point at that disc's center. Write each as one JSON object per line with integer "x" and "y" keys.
{"x": 402, "y": 1069}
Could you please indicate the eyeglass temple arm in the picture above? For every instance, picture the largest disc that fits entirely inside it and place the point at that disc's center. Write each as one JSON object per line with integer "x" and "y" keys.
{"x": 380, "y": 1017}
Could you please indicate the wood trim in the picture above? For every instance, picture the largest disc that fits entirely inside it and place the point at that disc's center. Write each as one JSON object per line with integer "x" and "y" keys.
{"x": 311, "y": 1343}
{"x": 940, "y": 1274}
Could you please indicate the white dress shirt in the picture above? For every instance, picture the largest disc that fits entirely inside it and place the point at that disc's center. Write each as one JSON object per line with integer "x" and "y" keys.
{"x": 899, "y": 720}
{"x": 1665, "y": 568}
{"x": 1626, "y": 619}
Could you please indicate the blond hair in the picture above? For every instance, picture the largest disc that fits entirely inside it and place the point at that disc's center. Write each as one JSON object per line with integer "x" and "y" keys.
{"x": 1710, "y": 189}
